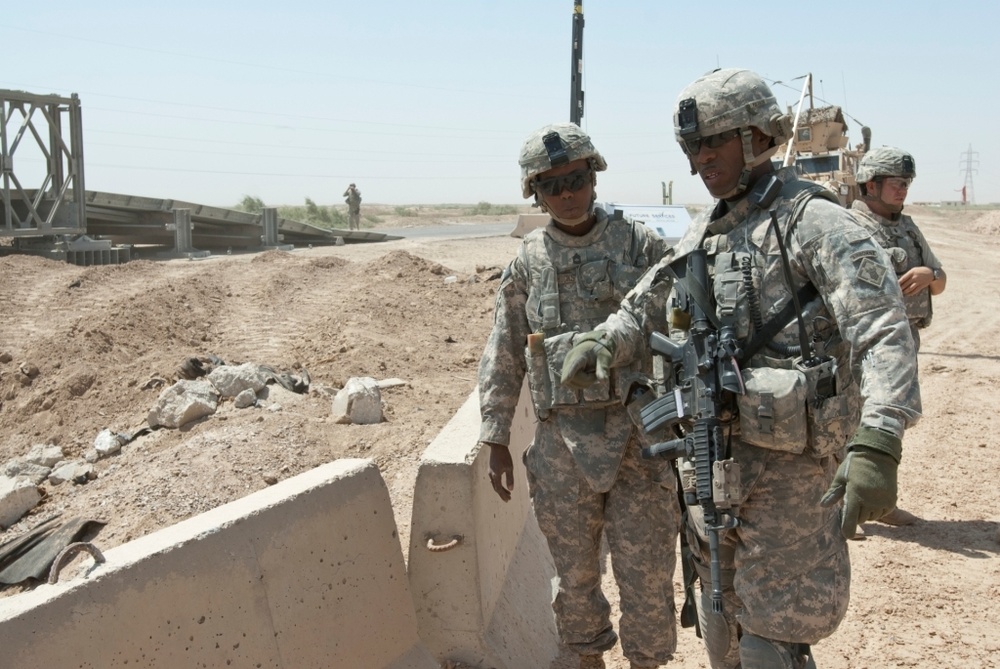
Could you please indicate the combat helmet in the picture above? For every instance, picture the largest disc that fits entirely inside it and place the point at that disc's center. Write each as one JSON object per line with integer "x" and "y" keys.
{"x": 554, "y": 145}
{"x": 886, "y": 161}
{"x": 731, "y": 100}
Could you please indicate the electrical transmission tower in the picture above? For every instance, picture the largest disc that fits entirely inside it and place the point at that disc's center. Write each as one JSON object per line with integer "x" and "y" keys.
{"x": 969, "y": 161}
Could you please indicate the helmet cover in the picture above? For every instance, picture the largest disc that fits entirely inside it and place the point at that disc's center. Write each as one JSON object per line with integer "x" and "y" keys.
{"x": 554, "y": 145}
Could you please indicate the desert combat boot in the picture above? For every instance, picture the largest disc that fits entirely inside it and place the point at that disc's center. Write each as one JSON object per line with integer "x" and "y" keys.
{"x": 591, "y": 662}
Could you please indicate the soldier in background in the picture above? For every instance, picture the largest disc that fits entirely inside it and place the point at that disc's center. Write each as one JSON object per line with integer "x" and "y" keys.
{"x": 585, "y": 474}
{"x": 352, "y": 196}
{"x": 884, "y": 177}
{"x": 784, "y": 567}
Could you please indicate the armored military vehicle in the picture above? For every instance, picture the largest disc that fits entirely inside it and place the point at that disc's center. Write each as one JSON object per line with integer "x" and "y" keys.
{"x": 821, "y": 151}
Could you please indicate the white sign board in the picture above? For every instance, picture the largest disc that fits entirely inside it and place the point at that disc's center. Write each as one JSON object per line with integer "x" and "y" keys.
{"x": 667, "y": 220}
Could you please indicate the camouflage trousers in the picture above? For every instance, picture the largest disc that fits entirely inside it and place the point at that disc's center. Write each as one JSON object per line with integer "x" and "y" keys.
{"x": 785, "y": 569}
{"x": 640, "y": 517}
{"x": 354, "y": 220}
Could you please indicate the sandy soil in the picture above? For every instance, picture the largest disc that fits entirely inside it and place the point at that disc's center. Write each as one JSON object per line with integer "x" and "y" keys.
{"x": 923, "y": 596}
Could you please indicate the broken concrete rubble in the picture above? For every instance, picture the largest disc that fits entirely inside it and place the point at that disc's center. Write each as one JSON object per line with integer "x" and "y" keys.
{"x": 182, "y": 403}
{"x": 17, "y": 497}
{"x": 358, "y": 402}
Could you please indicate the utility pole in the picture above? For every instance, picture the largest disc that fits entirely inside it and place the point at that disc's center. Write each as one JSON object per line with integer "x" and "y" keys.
{"x": 969, "y": 158}
{"x": 576, "y": 66}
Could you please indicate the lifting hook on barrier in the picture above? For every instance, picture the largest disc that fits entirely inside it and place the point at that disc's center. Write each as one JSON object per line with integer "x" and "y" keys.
{"x": 66, "y": 553}
{"x": 441, "y": 548}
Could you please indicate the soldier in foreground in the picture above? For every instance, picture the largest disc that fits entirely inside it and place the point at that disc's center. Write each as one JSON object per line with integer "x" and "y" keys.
{"x": 585, "y": 474}
{"x": 884, "y": 177}
{"x": 774, "y": 568}
{"x": 352, "y": 196}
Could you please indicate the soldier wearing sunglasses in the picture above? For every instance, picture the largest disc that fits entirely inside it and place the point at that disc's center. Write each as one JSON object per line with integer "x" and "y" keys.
{"x": 802, "y": 326}
{"x": 884, "y": 177}
{"x": 585, "y": 475}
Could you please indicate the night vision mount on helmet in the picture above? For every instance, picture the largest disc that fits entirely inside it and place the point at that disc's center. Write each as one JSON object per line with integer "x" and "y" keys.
{"x": 552, "y": 146}
{"x": 731, "y": 100}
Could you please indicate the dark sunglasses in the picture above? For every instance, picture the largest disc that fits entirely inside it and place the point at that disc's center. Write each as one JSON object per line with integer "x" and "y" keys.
{"x": 574, "y": 182}
{"x": 693, "y": 146}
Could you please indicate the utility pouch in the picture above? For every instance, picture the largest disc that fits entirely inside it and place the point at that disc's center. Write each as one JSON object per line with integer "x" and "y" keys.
{"x": 556, "y": 349}
{"x": 539, "y": 385}
{"x": 772, "y": 410}
{"x": 593, "y": 281}
{"x": 730, "y": 286}
{"x": 599, "y": 392}
{"x": 545, "y": 361}
{"x": 831, "y": 420}
{"x": 899, "y": 259}
{"x": 548, "y": 300}
{"x": 918, "y": 307}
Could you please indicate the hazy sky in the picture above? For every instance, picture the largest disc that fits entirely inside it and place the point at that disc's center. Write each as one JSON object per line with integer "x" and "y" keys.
{"x": 429, "y": 102}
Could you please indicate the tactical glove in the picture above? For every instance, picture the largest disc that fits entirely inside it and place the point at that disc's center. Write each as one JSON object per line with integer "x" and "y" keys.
{"x": 866, "y": 479}
{"x": 588, "y": 361}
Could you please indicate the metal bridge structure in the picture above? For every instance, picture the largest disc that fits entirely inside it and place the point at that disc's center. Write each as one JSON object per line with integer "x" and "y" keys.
{"x": 45, "y": 207}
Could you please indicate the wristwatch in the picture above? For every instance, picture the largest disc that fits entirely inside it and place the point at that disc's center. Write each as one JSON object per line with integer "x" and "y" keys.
{"x": 936, "y": 271}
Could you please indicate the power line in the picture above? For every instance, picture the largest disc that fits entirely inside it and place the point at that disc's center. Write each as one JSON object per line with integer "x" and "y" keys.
{"x": 968, "y": 194}
{"x": 262, "y": 66}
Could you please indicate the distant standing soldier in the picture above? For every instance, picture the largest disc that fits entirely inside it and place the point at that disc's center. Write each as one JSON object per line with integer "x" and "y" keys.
{"x": 352, "y": 196}
{"x": 585, "y": 474}
{"x": 884, "y": 177}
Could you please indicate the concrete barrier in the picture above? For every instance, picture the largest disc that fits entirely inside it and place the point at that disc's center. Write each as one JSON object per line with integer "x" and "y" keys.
{"x": 487, "y": 600}
{"x": 306, "y": 573}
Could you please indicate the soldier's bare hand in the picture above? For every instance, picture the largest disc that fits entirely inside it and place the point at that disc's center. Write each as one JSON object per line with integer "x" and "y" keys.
{"x": 501, "y": 470}
{"x": 915, "y": 280}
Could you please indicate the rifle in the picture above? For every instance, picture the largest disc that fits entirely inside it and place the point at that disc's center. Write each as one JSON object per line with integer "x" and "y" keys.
{"x": 705, "y": 367}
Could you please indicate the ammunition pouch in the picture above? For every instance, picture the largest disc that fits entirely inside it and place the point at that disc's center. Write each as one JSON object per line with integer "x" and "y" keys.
{"x": 795, "y": 409}
{"x": 918, "y": 308}
{"x": 772, "y": 411}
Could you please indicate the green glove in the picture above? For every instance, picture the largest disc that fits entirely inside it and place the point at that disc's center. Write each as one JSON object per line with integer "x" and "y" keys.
{"x": 866, "y": 479}
{"x": 588, "y": 361}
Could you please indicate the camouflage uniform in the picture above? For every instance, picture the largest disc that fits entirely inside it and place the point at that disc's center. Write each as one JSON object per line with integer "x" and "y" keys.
{"x": 785, "y": 567}
{"x": 898, "y": 235}
{"x": 353, "y": 199}
{"x": 585, "y": 473}
{"x": 905, "y": 244}
{"x": 908, "y": 248}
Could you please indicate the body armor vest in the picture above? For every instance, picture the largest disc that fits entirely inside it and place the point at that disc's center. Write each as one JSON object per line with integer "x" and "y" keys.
{"x": 573, "y": 289}
{"x": 901, "y": 242}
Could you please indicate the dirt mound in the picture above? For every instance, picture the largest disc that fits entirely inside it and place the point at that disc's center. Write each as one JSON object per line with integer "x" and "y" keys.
{"x": 106, "y": 340}
{"x": 987, "y": 223}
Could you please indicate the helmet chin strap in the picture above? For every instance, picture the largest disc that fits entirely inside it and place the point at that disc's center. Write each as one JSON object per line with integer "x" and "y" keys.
{"x": 572, "y": 222}
{"x": 894, "y": 209}
{"x": 750, "y": 161}
{"x": 568, "y": 222}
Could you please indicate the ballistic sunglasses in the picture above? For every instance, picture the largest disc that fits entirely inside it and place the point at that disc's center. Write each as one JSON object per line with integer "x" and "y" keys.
{"x": 574, "y": 182}
{"x": 693, "y": 146}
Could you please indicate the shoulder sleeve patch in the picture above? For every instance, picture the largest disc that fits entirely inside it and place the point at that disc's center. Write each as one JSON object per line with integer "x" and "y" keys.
{"x": 864, "y": 253}
{"x": 871, "y": 272}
